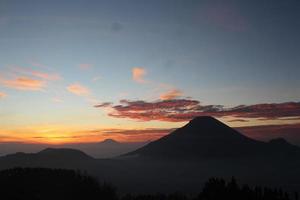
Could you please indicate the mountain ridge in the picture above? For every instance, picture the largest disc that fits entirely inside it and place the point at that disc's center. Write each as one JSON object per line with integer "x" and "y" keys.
{"x": 205, "y": 137}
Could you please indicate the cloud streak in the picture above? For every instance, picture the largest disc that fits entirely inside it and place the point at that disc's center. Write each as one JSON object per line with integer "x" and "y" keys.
{"x": 172, "y": 94}
{"x": 78, "y": 89}
{"x": 178, "y": 110}
{"x": 46, "y": 76}
{"x": 37, "y": 74}
{"x": 24, "y": 83}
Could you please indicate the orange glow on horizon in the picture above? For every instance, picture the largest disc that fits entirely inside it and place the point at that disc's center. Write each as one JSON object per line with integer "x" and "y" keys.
{"x": 63, "y": 134}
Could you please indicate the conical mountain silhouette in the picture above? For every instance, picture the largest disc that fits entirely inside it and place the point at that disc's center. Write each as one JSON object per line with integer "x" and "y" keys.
{"x": 203, "y": 137}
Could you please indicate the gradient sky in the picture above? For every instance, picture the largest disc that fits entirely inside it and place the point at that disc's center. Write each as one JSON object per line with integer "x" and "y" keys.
{"x": 66, "y": 65}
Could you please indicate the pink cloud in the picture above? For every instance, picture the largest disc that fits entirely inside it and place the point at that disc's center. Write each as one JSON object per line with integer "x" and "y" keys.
{"x": 78, "y": 89}
{"x": 176, "y": 110}
{"x": 24, "y": 83}
{"x": 138, "y": 74}
{"x": 172, "y": 94}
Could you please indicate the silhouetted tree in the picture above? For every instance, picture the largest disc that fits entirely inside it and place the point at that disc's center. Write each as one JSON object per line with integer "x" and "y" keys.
{"x": 62, "y": 184}
{"x": 44, "y": 184}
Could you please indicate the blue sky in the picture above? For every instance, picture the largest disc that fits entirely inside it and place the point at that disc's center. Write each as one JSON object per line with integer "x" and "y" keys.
{"x": 220, "y": 53}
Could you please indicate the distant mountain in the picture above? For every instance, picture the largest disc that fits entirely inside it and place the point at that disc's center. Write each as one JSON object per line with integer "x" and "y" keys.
{"x": 64, "y": 153}
{"x": 206, "y": 137}
{"x": 49, "y": 157}
{"x": 107, "y": 148}
{"x": 109, "y": 142}
{"x": 104, "y": 149}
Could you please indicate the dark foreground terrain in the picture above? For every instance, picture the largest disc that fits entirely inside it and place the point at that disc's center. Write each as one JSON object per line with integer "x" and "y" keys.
{"x": 62, "y": 184}
{"x": 181, "y": 161}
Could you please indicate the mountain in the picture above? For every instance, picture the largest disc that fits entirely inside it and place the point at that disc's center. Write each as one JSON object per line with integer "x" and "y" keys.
{"x": 103, "y": 149}
{"x": 109, "y": 142}
{"x": 50, "y": 157}
{"x": 206, "y": 137}
{"x": 64, "y": 153}
{"x": 180, "y": 161}
{"x": 107, "y": 148}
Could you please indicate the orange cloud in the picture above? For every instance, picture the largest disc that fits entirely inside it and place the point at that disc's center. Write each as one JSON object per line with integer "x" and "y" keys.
{"x": 78, "y": 89}
{"x": 20, "y": 71}
{"x": 2, "y": 95}
{"x": 138, "y": 74}
{"x": 24, "y": 83}
{"x": 172, "y": 94}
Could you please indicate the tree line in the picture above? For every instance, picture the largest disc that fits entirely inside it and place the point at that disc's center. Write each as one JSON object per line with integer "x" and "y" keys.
{"x": 65, "y": 184}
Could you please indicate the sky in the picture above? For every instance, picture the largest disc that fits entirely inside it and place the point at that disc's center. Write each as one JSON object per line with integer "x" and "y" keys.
{"x": 85, "y": 71}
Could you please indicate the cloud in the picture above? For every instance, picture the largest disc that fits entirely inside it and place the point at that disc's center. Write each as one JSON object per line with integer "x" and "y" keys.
{"x": 85, "y": 66}
{"x": 103, "y": 105}
{"x": 138, "y": 74}
{"x": 238, "y": 120}
{"x": 130, "y": 135}
{"x": 78, "y": 89}
{"x": 172, "y": 94}
{"x": 45, "y": 76}
{"x": 177, "y": 110}
{"x": 24, "y": 83}
{"x": 2, "y": 95}
{"x": 267, "y": 132}
{"x": 37, "y": 74}
{"x": 162, "y": 131}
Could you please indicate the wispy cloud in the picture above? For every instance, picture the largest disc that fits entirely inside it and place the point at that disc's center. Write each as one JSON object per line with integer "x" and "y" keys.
{"x": 138, "y": 74}
{"x": 103, "y": 105}
{"x": 2, "y": 95}
{"x": 46, "y": 76}
{"x": 78, "y": 89}
{"x": 171, "y": 94}
{"x": 34, "y": 73}
{"x": 24, "y": 83}
{"x": 177, "y": 110}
